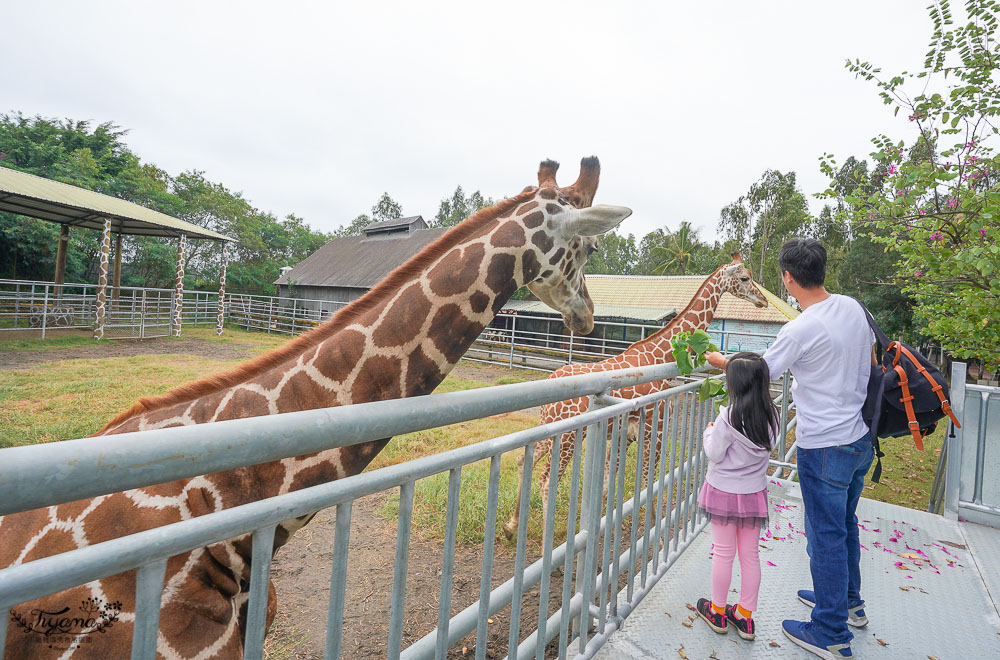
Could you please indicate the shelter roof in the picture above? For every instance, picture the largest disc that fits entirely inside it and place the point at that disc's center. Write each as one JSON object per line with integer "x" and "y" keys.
{"x": 602, "y": 311}
{"x": 676, "y": 292}
{"x": 358, "y": 261}
{"x": 45, "y": 199}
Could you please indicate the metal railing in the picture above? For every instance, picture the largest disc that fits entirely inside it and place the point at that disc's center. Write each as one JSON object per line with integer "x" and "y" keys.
{"x": 614, "y": 568}
{"x": 277, "y": 314}
{"x": 966, "y": 485}
{"x": 132, "y": 312}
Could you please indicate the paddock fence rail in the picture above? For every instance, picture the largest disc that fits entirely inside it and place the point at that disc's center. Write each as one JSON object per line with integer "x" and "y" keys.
{"x": 132, "y": 312}
{"x": 619, "y": 543}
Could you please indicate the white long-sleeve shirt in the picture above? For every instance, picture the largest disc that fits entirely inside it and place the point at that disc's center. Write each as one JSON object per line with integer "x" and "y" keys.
{"x": 828, "y": 350}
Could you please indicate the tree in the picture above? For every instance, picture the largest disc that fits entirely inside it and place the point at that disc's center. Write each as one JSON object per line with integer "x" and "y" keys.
{"x": 936, "y": 205}
{"x": 615, "y": 255}
{"x": 458, "y": 207}
{"x": 772, "y": 211}
{"x": 673, "y": 256}
{"x": 386, "y": 208}
{"x": 97, "y": 158}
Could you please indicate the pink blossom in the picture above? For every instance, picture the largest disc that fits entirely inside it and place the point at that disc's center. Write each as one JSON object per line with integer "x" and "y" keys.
{"x": 919, "y": 274}
{"x": 893, "y": 169}
{"x": 900, "y": 193}
{"x": 982, "y": 233}
{"x": 937, "y": 236}
{"x": 922, "y": 211}
{"x": 951, "y": 202}
{"x": 909, "y": 227}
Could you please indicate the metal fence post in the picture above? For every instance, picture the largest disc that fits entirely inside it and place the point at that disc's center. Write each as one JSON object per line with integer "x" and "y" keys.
{"x": 569, "y": 359}
{"x": 952, "y": 484}
{"x": 45, "y": 310}
{"x": 783, "y": 426}
{"x": 513, "y": 330}
{"x": 590, "y": 513}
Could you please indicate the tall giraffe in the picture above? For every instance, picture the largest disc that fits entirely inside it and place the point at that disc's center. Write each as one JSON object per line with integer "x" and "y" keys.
{"x": 399, "y": 340}
{"x": 655, "y": 349}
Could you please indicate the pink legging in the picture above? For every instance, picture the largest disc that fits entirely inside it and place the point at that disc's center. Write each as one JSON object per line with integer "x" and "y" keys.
{"x": 726, "y": 539}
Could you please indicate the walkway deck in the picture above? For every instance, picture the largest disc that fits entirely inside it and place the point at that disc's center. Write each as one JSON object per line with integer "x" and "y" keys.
{"x": 933, "y": 593}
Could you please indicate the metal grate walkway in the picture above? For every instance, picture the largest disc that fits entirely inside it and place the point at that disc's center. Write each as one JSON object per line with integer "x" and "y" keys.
{"x": 943, "y": 604}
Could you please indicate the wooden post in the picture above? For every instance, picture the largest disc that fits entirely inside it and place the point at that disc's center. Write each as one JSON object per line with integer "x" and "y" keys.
{"x": 222, "y": 292}
{"x": 116, "y": 279}
{"x": 61, "y": 247}
{"x": 175, "y": 317}
{"x": 102, "y": 281}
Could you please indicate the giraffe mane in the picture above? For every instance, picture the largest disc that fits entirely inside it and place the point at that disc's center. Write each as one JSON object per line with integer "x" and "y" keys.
{"x": 342, "y": 318}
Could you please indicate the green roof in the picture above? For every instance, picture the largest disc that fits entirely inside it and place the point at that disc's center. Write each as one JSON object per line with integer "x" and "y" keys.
{"x": 601, "y": 311}
{"x": 45, "y": 199}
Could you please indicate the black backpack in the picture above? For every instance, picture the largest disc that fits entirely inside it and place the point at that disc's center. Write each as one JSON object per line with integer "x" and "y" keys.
{"x": 907, "y": 395}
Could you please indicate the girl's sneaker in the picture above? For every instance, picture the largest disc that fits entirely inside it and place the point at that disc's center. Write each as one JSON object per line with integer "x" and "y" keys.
{"x": 745, "y": 627}
{"x": 715, "y": 621}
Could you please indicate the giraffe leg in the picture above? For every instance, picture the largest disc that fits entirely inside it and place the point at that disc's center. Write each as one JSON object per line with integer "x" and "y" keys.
{"x": 510, "y": 527}
{"x": 548, "y": 480}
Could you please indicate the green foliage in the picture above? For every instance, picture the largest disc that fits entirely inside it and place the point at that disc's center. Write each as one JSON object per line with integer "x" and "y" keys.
{"x": 771, "y": 212}
{"x": 616, "y": 255}
{"x": 96, "y": 158}
{"x": 934, "y": 207}
{"x": 458, "y": 207}
{"x": 689, "y": 349}
{"x": 674, "y": 254}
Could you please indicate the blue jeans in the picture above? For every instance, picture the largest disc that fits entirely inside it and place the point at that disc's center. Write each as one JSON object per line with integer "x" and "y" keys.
{"x": 831, "y": 481}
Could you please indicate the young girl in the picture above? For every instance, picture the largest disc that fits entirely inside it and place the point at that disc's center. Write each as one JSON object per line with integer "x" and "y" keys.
{"x": 734, "y": 495}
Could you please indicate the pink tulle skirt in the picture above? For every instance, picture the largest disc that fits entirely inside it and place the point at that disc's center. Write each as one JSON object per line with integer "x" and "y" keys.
{"x": 743, "y": 509}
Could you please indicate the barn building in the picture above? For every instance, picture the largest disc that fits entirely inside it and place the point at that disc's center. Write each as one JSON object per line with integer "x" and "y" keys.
{"x": 347, "y": 267}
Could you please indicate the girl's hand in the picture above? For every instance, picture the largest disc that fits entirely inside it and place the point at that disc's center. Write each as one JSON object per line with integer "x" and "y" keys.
{"x": 710, "y": 425}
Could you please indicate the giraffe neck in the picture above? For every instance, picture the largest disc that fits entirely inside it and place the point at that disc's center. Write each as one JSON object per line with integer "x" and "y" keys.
{"x": 697, "y": 315}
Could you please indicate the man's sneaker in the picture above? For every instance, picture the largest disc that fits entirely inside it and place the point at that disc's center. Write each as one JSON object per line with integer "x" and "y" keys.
{"x": 745, "y": 627}
{"x": 803, "y": 634}
{"x": 715, "y": 621}
{"x": 855, "y": 615}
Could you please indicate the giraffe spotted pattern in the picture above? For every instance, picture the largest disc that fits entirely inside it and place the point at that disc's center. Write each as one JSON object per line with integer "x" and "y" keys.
{"x": 401, "y": 339}
{"x": 655, "y": 349}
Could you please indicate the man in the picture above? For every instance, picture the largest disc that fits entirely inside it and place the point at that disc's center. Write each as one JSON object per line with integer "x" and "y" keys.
{"x": 828, "y": 349}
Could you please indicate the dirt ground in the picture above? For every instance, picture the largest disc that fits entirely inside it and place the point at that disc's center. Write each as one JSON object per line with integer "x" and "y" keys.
{"x": 301, "y": 575}
{"x": 23, "y": 359}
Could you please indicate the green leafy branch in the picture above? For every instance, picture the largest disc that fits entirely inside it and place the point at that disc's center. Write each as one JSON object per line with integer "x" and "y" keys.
{"x": 689, "y": 353}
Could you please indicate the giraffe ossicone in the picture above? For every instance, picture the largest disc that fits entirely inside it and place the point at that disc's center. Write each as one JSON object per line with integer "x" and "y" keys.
{"x": 734, "y": 278}
{"x": 398, "y": 340}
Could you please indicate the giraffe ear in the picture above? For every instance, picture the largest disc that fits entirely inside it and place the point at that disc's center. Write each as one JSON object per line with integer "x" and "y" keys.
{"x": 596, "y": 220}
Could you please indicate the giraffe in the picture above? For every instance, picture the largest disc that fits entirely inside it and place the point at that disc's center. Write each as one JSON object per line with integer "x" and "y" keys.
{"x": 399, "y": 340}
{"x": 655, "y": 349}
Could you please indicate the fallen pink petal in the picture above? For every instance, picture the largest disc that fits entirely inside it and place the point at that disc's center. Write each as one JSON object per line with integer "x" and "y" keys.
{"x": 771, "y": 563}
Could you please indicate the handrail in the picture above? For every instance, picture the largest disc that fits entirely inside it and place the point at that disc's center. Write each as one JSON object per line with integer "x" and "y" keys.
{"x": 53, "y": 473}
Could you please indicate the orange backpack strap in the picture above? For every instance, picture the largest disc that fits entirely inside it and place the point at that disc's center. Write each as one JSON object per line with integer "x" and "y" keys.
{"x": 935, "y": 387}
{"x": 907, "y": 400}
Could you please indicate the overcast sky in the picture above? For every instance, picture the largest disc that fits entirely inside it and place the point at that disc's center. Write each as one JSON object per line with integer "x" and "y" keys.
{"x": 315, "y": 108}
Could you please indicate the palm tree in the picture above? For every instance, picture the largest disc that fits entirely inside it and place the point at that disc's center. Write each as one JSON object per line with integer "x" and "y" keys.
{"x": 674, "y": 255}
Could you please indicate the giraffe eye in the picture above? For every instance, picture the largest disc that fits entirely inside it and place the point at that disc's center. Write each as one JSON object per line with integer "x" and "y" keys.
{"x": 591, "y": 250}
{"x": 745, "y": 279}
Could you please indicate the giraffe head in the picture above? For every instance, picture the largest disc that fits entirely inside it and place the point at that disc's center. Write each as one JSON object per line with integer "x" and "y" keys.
{"x": 737, "y": 280}
{"x": 565, "y": 231}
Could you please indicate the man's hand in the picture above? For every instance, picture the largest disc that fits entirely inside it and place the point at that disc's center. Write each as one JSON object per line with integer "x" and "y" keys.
{"x": 716, "y": 360}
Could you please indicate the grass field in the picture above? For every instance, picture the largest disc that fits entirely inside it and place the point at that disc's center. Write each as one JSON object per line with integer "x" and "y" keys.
{"x": 71, "y": 398}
